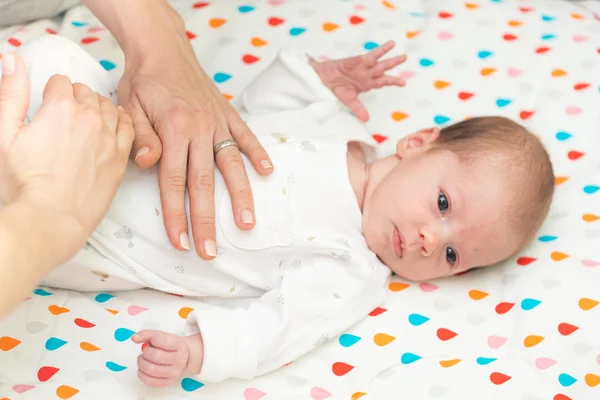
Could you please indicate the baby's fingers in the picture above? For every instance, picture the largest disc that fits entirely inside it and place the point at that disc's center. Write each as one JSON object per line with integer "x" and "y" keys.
{"x": 157, "y": 370}
{"x": 387, "y": 80}
{"x": 158, "y": 339}
{"x": 378, "y": 52}
{"x": 152, "y": 381}
{"x": 381, "y": 67}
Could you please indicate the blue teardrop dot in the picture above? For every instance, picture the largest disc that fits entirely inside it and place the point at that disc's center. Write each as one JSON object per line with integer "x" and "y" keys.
{"x": 548, "y": 36}
{"x": 107, "y": 65}
{"x": 547, "y": 18}
{"x": 245, "y": 9}
{"x": 114, "y": 367}
{"x": 370, "y": 45}
{"x": 591, "y": 189}
{"x": 530, "y": 304}
{"x": 348, "y": 340}
{"x": 562, "y": 135}
{"x": 483, "y": 54}
{"x": 103, "y": 297}
{"x": 78, "y": 24}
{"x": 123, "y": 334}
{"x": 189, "y": 384}
{"x": 566, "y": 380}
{"x": 417, "y": 319}
{"x": 547, "y": 238}
{"x": 416, "y": 14}
{"x": 426, "y": 62}
{"x": 503, "y": 102}
{"x": 221, "y": 77}
{"x": 54, "y": 343}
{"x": 440, "y": 119}
{"x": 42, "y": 292}
{"x": 485, "y": 360}
{"x": 408, "y": 358}
{"x": 297, "y": 31}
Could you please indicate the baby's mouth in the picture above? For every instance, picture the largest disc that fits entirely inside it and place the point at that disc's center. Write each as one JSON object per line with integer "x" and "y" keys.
{"x": 397, "y": 243}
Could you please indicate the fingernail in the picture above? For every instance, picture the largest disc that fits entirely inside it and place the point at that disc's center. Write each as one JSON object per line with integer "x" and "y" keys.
{"x": 210, "y": 248}
{"x": 184, "y": 240}
{"x": 8, "y": 64}
{"x": 141, "y": 152}
{"x": 265, "y": 164}
{"x": 247, "y": 217}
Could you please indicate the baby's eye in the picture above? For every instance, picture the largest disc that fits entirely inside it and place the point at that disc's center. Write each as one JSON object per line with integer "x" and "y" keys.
{"x": 450, "y": 255}
{"x": 442, "y": 202}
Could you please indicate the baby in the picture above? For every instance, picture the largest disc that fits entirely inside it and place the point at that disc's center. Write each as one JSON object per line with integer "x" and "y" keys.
{"x": 332, "y": 221}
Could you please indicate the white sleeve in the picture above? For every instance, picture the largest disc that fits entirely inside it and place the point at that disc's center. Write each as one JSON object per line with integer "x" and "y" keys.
{"x": 319, "y": 297}
{"x": 288, "y": 83}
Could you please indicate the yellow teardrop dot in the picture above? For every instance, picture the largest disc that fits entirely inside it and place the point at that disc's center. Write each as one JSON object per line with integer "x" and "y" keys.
{"x": 381, "y": 339}
{"x": 533, "y": 340}
{"x": 558, "y": 256}
{"x": 477, "y": 294}
{"x": 590, "y": 217}
{"x": 449, "y": 363}
{"x": 398, "y": 286}
{"x": 185, "y": 311}
{"x": 587, "y": 304}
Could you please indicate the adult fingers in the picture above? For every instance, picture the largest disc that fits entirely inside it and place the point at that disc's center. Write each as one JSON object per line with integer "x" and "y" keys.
{"x": 14, "y": 96}
{"x": 250, "y": 146}
{"x": 125, "y": 133}
{"x": 110, "y": 113}
{"x": 147, "y": 147}
{"x": 85, "y": 96}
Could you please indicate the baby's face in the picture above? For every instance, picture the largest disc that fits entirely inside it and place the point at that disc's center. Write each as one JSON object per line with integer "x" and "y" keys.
{"x": 432, "y": 216}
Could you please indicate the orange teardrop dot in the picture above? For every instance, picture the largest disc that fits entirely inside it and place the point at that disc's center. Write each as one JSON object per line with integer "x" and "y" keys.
{"x": 399, "y": 116}
{"x": 587, "y": 304}
{"x": 258, "y": 42}
{"x": 514, "y": 23}
{"x": 227, "y": 96}
{"x": 85, "y": 346}
{"x": 114, "y": 312}
{"x": 471, "y": 6}
{"x": 449, "y": 363}
{"x": 558, "y": 180}
{"x": 590, "y": 217}
{"x": 216, "y": 22}
{"x": 381, "y": 339}
{"x": 487, "y": 71}
{"x": 412, "y": 34}
{"x": 577, "y": 16}
{"x": 66, "y": 392}
{"x": 533, "y": 340}
{"x": 398, "y": 286}
{"x": 185, "y": 311}
{"x": 388, "y": 4}
{"x": 558, "y": 256}
{"x": 357, "y": 395}
{"x": 56, "y": 310}
{"x": 558, "y": 72}
{"x": 8, "y": 343}
{"x": 477, "y": 294}
{"x": 330, "y": 26}
{"x": 441, "y": 84}
{"x": 592, "y": 380}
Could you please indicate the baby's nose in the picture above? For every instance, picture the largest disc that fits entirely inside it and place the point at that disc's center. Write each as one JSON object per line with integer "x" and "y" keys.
{"x": 429, "y": 242}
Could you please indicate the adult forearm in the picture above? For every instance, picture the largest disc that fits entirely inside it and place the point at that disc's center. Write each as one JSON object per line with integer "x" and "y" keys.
{"x": 139, "y": 25}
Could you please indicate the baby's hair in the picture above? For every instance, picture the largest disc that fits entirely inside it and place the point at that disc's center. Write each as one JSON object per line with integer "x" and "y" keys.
{"x": 529, "y": 174}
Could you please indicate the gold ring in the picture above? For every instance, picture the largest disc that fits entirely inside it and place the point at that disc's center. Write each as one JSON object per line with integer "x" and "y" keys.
{"x": 225, "y": 143}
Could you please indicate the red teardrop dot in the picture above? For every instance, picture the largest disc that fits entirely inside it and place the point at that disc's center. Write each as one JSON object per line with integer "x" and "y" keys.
{"x": 465, "y": 95}
{"x": 445, "y": 334}
{"x": 525, "y": 9}
{"x": 50, "y": 31}
{"x": 499, "y": 378}
{"x": 200, "y": 4}
{"x": 525, "y": 114}
{"x": 355, "y": 20}
{"x": 377, "y": 311}
{"x": 574, "y": 155}
{"x": 379, "y": 138}
{"x": 82, "y": 323}
{"x": 190, "y": 35}
{"x": 46, "y": 373}
{"x": 509, "y": 37}
{"x": 14, "y": 42}
{"x": 341, "y": 368}
{"x": 581, "y": 86}
{"x": 89, "y": 39}
{"x": 542, "y": 50}
{"x": 274, "y": 21}
{"x": 249, "y": 59}
{"x": 525, "y": 260}
{"x": 561, "y": 396}
{"x": 144, "y": 345}
{"x": 445, "y": 15}
{"x": 566, "y": 329}
{"x": 504, "y": 307}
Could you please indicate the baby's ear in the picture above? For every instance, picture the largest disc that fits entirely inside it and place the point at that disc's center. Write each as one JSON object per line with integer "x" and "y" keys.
{"x": 417, "y": 141}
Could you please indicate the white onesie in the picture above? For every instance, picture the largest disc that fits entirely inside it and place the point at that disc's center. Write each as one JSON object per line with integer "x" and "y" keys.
{"x": 305, "y": 269}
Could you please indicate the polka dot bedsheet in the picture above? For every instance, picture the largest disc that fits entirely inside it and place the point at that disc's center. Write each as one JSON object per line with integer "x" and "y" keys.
{"x": 525, "y": 330}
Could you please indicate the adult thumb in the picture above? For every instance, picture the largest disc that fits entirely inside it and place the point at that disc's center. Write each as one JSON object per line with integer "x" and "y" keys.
{"x": 147, "y": 147}
{"x": 14, "y": 97}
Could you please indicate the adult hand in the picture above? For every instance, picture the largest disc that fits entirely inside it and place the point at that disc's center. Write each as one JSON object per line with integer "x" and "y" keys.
{"x": 179, "y": 115}
{"x": 68, "y": 161}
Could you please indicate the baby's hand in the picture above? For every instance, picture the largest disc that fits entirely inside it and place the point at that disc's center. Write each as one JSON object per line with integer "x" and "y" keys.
{"x": 166, "y": 357}
{"x": 348, "y": 77}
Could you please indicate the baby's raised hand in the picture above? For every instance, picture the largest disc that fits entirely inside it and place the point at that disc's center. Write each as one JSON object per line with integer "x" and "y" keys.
{"x": 166, "y": 357}
{"x": 348, "y": 77}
